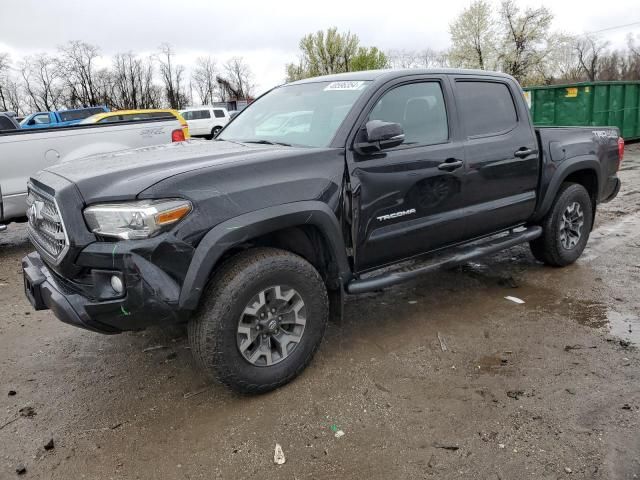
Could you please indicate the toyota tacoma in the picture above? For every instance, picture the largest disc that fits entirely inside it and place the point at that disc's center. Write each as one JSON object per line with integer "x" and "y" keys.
{"x": 254, "y": 239}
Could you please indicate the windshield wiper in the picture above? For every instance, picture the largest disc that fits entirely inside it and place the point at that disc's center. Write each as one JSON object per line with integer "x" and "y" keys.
{"x": 267, "y": 142}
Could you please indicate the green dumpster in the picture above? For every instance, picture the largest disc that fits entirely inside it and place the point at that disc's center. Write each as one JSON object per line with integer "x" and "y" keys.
{"x": 588, "y": 104}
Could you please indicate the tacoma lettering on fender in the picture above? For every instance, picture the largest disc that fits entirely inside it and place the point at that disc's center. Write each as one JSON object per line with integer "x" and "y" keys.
{"x": 255, "y": 238}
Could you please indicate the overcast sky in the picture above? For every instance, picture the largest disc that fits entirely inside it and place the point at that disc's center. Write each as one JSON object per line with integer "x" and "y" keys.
{"x": 266, "y": 33}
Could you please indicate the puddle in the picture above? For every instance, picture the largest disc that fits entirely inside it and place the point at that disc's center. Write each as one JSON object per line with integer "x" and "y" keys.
{"x": 624, "y": 326}
{"x": 599, "y": 315}
{"x": 591, "y": 314}
{"x": 497, "y": 363}
{"x": 610, "y": 237}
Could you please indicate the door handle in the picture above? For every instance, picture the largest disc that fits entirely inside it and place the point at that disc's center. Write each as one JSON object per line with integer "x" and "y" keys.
{"x": 524, "y": 152}
{"x": 450, "y": 165}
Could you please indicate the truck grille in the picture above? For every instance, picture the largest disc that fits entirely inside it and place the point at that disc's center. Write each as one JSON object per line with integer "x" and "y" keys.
{"x": 46, "y": 229}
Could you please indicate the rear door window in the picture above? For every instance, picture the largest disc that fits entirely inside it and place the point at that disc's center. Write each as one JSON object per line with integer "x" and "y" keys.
{"x": 486, "y": 108}
{"x": 218, "y": 113}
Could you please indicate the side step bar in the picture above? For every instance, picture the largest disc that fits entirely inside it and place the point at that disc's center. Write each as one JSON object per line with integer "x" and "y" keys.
{"x": 448, "y": 259}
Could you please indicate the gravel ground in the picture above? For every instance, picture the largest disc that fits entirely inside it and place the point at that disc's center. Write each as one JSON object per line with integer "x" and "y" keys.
{"x": 548, "y": 389}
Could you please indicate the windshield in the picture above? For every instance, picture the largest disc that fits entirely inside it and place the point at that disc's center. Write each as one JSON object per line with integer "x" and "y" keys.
{"x": 304, "y": 115}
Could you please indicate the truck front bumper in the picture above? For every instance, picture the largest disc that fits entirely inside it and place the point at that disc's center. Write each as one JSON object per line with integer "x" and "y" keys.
{"x": 136, "y": 309}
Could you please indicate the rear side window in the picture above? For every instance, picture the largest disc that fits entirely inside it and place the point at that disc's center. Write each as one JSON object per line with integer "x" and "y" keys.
{"x": 218, "y": 113}
{"x": 160, "y": 115}
{"x": 70, "y": 115}
{"x": 486, "y": 108}
{"x": 6, "y": 124}
{"x": 196, "y": 114}
{"x": 111, "y": 119}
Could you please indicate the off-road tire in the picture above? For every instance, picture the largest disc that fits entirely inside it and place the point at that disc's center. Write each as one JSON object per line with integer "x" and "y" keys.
{"x": 548, "y": 248}
{"x": 213, "y": 329}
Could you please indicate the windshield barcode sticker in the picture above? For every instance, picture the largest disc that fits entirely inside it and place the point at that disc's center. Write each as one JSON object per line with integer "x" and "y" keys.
{"x": 346, "y": 85}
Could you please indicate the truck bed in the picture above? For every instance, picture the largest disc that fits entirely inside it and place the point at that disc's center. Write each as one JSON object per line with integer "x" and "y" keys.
{"x": 561, "y": 147}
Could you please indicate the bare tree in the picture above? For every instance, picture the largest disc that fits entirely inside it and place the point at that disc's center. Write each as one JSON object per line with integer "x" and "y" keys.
{"x": 237, "y": 82}
{"x": 525, "y": 35}
{"x": 5, "y": 65}
{"x": 474, "y": 37}
{"x": 204, "y": 80}
{"x": 427, "y": 58}
{"x": 77, "y": 68}
{"x": 42, "y": 82}
{"x": 131, "y": 83}
{"x": 589, "y": 50}
{"x": 561, "y": 63}
{"x": 15, "y": 99}
{"x": 172, "y": 77}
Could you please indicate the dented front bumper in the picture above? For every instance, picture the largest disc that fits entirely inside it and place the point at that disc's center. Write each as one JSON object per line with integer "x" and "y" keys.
{"x": 150, "y": 296}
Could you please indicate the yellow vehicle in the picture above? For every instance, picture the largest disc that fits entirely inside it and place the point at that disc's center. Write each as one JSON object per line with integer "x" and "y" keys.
{"x": 128, "y": 115}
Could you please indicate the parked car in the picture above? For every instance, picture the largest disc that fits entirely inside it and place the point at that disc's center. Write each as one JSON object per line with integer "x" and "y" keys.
{"x": 24, "y": 152}
{"x": 285, "y": 123}
{"x": 8, "y": 121}
{"x": 255, "y": 240}
{"x": 61, "y": 118}
{"x": 206, "y": 121}
{"x": 137, "y": 115}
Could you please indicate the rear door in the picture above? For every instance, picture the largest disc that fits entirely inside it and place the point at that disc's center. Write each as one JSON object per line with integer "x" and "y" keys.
{"x": 199, "y": 121}
{"x": 409, "y": 199}
{"x": 500, "y": 149}
{"x": 202, "y": 121}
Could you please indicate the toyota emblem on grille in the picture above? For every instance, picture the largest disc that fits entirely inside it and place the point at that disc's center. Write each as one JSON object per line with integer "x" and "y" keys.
{"x": 34, "y": 213}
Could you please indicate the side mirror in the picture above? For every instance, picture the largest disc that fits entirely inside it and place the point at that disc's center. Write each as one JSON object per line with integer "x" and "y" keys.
{"x": 378, "y": 135}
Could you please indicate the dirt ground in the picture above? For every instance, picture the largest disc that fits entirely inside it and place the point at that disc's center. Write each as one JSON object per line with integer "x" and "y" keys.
{"x": 548, "y": 389}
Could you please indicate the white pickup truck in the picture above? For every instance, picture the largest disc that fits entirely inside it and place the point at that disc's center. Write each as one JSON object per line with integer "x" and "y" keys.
{"x": 25, "y": 152}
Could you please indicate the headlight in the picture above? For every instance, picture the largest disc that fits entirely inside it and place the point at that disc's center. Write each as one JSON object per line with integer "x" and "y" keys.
{"x": 135, "y": 220}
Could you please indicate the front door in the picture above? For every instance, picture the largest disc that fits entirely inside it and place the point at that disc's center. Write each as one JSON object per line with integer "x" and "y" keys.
{"x": 408, "y": 199}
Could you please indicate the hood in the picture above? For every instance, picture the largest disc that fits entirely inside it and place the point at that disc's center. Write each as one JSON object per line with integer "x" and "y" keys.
{"x": 123, "y": 175}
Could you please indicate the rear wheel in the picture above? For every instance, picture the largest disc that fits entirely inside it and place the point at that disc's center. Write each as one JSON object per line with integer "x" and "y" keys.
{"x": 262, "y": 320}
{"x": 215, "y": 132}
{"x": 566, "y": 227}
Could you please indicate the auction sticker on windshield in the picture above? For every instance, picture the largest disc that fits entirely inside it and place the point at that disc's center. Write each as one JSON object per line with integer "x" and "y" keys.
{"x": 346, "y": 85}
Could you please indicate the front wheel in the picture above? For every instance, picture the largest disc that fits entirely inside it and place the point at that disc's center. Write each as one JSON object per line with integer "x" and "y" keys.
{"x": 262, "y": 319}
{"x": 566, "y": 227}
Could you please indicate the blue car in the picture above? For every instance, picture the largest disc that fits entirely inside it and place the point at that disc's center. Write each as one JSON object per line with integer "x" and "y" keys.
{"x": 61, "y": 118}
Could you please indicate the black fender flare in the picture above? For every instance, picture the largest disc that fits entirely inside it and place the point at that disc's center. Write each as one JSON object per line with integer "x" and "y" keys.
{"x": 240, "y": 229}
{"x": 566, "y": 168}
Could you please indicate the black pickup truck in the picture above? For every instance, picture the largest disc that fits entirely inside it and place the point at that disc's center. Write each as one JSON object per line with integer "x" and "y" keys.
{"x": 323, "y": 187}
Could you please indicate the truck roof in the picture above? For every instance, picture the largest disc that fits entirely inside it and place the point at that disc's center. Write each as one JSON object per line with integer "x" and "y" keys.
{"x": 390, "y": 74}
